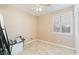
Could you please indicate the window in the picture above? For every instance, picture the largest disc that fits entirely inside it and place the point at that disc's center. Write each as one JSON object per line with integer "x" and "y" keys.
{"x": 63, "y": 22}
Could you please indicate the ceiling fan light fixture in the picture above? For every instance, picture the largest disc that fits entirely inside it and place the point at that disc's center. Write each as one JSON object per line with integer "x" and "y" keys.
{"x": 38, "y": 9}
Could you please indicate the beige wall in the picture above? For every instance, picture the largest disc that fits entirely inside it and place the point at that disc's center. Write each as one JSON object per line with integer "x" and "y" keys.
{"x": 45, "y": 30}
{"x": 19, "y": 23}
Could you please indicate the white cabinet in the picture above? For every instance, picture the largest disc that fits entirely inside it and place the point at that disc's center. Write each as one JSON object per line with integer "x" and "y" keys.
{"x": 17, "y": 48}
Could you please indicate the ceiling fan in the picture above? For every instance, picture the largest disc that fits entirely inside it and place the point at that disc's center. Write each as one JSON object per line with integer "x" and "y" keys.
{"x": 40, "y": 7}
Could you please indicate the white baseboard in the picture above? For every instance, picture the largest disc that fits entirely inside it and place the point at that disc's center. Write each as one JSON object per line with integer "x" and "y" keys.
{"x": 56, "y": 44}
{"x": 44, "y": 41}
{"x": 30, "y": 41}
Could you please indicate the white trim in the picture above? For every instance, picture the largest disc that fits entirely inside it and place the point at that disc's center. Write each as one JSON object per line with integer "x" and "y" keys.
{"x": 76, "y": 15}
{"x": 44, "y": 41}
{"x": 30, "y": 41}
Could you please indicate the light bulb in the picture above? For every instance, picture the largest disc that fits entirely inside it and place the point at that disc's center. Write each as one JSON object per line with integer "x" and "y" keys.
{"x": 40, "y": 9}
{"x": 37, "y": 9}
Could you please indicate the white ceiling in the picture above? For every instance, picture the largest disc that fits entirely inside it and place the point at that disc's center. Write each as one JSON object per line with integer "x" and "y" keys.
{"x": 29, "y": 8}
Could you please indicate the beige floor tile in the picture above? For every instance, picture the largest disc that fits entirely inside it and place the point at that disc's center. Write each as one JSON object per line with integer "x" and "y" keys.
{"x": 39, "y": 48}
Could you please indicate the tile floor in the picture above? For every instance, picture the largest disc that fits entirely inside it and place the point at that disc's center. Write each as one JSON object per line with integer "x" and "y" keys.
{"x": 40, "y": 48}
